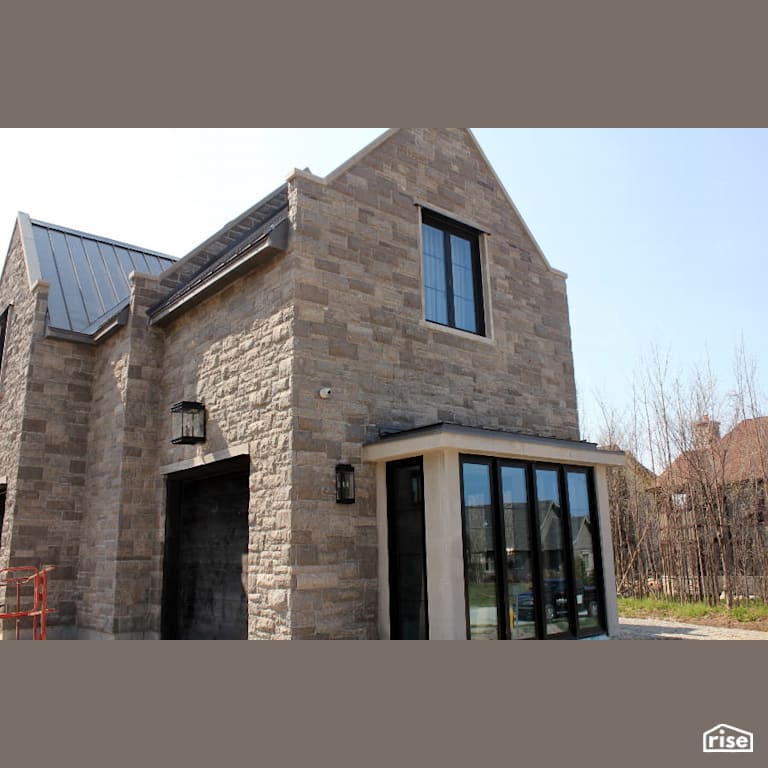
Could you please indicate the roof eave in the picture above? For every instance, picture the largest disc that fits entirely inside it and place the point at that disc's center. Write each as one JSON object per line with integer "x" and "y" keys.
{"x": 275, "y": 241}
{"x": 110, "y": 326}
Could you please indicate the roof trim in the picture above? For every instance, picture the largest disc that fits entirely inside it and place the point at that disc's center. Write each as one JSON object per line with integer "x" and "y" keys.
{"x": 113, "y": 323}
{"x": 31, "y": 259}
{"x": 487, "y": 442}
{"x": 368, "y": 148}
{"x": 220, "y": 275}
{"x": 528, "y": 232}
{"x": 100, "y": 239}
{"x": 181, "y": 263}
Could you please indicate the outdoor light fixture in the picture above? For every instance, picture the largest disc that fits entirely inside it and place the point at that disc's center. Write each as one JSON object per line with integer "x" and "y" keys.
{"x": 345, "y": 484}
{"x": 188, "y": 423}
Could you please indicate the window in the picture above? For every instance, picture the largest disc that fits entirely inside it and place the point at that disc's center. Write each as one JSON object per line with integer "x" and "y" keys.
{"x": 453, "y": 293}
{"x": 3, "y": 325}
{"x": 536, "y": 524}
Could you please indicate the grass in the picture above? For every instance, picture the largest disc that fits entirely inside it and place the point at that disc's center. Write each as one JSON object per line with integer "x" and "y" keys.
{"x": 630, "y": 607}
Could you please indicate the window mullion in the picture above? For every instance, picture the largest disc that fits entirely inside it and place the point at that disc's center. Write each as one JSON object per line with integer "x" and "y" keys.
{"x": 449, "y": 277}
{"x": 570, "y": 570}
{"x": 497, "y": 506}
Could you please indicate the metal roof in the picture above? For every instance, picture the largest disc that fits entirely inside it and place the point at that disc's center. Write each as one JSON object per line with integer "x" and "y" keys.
{"x": 88, "y": 275}
{"x": 233, "y": 236}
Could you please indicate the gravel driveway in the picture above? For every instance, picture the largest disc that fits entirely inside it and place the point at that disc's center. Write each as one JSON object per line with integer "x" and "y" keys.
{"x": 661, "y": 629}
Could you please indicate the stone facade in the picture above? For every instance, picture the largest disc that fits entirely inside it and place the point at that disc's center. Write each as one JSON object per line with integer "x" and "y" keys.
{"x": 360, "y": 330}
{"x": 89, "y": 457}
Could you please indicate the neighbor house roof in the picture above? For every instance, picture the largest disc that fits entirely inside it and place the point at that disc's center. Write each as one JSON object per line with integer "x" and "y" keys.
{"x": 88, "y": 275}
{"x": 740, "y": 455}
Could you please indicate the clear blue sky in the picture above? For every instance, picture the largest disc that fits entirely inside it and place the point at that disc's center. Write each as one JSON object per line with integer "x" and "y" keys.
{"x": 660, "y": 231}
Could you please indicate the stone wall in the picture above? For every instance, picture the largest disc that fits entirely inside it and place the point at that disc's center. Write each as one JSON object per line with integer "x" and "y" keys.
{"x": 360, "y": 330}
{"x": 121, "y": 548}
{"x": 15, "y": 290}
{"x": 53, "y": 393}
{"x": 234, "y": 353}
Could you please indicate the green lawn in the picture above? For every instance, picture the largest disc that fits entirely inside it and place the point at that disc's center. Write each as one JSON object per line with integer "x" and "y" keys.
{"x": 636, "y": 607}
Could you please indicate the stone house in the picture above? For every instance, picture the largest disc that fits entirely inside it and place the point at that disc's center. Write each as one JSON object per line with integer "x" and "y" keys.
{"x": 377, "y": 368}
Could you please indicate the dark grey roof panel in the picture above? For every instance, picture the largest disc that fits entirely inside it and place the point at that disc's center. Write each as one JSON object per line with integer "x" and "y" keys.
{"x": 88, "y": 275}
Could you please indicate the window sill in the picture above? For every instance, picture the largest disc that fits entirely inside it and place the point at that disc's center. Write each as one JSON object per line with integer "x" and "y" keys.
{"x": 457, "y": 332}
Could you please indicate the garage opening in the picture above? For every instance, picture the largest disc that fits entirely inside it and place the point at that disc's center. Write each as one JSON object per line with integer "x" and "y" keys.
{"x": 206, "y": 549}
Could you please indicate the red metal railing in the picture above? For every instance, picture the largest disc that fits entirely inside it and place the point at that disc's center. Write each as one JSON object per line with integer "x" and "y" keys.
{"x": 37, "y": 608}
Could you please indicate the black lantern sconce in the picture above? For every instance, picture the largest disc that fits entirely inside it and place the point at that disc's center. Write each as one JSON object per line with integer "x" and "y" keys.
{"x": 188, "y": 423}
{"x": 345, "y": 484}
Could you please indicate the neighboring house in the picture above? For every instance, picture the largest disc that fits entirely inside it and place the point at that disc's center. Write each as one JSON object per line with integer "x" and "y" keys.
{"x": 307, "y": 426}
{"x": 738, "y": 461}
{"x": 714, "y": 503}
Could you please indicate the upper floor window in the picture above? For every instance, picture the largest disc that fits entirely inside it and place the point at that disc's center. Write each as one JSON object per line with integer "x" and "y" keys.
{"x": 453, "y": 293}
{"x": 3, "y": 325}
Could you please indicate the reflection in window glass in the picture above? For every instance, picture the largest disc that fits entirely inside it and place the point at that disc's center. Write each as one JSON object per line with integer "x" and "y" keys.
{"x": 480, "y": 552}
{"x": 435, "y": 289}
{"x": 463, "y": 284}
{"x": 587, "y": 605}
{"x": 522, "y": 618}
{"x": 408, "y": 565}
{"x": 550, "y": 521}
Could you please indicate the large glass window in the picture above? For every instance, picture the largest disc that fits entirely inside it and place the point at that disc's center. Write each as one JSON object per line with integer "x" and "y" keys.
{"x": 584, "y": 561}
{"x": 518, "y": 552}
{"x": 480, "y": 555}
{"x": 531, "y": 550}
{"x": 552, "y": 551}
{"x": 452, "y": 282}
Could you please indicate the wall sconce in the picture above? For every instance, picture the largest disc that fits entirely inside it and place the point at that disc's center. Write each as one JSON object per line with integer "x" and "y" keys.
{"x": 188, "y": 423}
{"x": 345, "y": 484}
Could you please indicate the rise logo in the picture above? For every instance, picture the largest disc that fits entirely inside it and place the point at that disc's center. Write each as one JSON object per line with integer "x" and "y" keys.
{"x": 727, "y": 738}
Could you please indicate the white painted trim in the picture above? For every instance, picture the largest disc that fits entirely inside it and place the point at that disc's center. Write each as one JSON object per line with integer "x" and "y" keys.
{"x": 4, "y": 480}
{"x": 382, "y": 531}
{"x": 240, "y": 449}
{"x": 444, "y": 545}
{"x": 31, "y": 259}
{"x": 494, "y": 444}
{"x": 606, "y": 550}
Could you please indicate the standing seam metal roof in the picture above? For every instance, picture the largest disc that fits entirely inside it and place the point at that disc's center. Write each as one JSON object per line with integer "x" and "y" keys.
{"x": 88, "y": 275}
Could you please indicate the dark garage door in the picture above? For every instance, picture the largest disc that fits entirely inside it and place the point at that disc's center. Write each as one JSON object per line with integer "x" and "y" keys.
{"x": 206, "y": 550}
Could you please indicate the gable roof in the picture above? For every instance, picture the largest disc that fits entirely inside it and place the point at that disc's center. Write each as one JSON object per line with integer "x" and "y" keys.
{"x": 740, "y": 455}
{"x": 378, "y": 141}
{"x": 746, "y": 450}
{"x": 87, "y": 274}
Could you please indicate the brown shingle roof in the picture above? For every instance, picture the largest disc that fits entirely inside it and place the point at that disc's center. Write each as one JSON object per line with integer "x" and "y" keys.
{"x": 740, "y": 455}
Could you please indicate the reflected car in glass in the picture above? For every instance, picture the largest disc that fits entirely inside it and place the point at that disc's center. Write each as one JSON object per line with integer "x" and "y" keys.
{"x": 556, "y": 600}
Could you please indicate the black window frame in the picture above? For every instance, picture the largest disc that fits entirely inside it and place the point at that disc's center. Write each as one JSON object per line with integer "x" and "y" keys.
{"x": 450, "y": 227}
{"x": 496, "y": 463}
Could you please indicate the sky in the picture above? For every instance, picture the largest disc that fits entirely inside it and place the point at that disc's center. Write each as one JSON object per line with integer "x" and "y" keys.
{"x": 661, "y": 231}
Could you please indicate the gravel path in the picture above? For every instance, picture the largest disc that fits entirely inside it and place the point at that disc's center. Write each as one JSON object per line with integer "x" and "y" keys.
{"x": 661, "y": 629}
